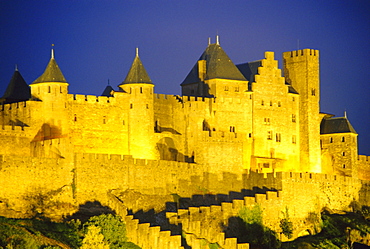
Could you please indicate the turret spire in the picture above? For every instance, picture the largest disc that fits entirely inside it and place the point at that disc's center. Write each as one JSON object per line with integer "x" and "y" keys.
{"x": 209, "y": 41}
{"x": 52, "y": 51}
{"x": 16, "y": 67}
{"x": 137, "y": 52}
{"x": 217, "y": 40}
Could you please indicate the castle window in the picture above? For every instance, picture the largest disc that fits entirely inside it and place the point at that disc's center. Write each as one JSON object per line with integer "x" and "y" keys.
{"x": 250, "y": 135}
{"x": 131, "y": 106}
{"x": 343, "y": 139}
{"x": 237, "y": 89}
{"x": 269, "y": 135}
{"x": 344, "y": 166}
{"x": 343, "y": 153}
{"x": 147, "y": 106}
{"x": 293, "y": 118}
{"x": 123, "y": 122}
{"x": 141, "y": 90}
{"x": 226, "y": 88}
{"x": 267, "y": 121}
{"x": 49, "y": 89}
{"x": 270, "y": 103}
{"x": 294, "y": 139}
{"x": 330, "y": 140}
{"x": 279, "y": 104}
{"x": 293, "y": 99}
{"x": 232, "y": 128}
{"x": 61, "y": 90}
{"x": 104, "y": 120}
{"x": 313, "y": 92}
{"x": 262, "y": 102}
{"x": 75, "y": 119}
{"x": 278, "y": 137}
{"x": 266, "y": 165}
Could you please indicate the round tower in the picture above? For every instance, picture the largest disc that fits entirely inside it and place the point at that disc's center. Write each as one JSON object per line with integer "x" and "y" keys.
{"x": 139, "y": 87}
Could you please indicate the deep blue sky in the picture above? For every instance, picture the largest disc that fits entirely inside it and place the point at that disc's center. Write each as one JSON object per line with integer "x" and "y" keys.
{"x": 95, "y": 41}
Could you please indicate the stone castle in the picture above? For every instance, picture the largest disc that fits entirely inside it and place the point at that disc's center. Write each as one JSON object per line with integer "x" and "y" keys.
{"x": 234, "y": 128}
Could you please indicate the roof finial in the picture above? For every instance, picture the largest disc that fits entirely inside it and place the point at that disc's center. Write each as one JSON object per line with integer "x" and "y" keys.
{"x": 137, "y": 52}
{"x": 16, "y": 67}
{"x": 217, "y": 40}
{"x": 52, "y": 51}
{"x": 209, "y": 41}
{"x": 345, "y": 113}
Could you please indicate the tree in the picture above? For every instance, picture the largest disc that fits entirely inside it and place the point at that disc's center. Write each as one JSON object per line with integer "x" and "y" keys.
{"x": 94, "y": 239}
{"x": 286, "y": 225}
{"x": 112, "y": 228}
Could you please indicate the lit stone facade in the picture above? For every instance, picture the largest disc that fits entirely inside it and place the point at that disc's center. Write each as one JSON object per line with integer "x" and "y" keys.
{"x": 231, "y": 123}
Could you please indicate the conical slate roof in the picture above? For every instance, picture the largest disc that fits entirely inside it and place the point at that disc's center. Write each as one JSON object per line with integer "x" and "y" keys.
{"x": 336, "y": 125}
{"x": 17, "y": 89}
{"x": 137, "y": 73}
{"x": 52, "y": 73}
{"x": 218, "y": 65}
{"x": 107, "y": 91}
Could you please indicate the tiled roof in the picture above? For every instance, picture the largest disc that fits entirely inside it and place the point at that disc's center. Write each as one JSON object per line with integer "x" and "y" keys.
{"x": 137, "y": 73}
{"x": 107, "y": 91}
{"x": 336, "y": 125}
{"x": 17, "y": 89}
{"x": 218, "y": 65}
{"x": 52, "y": 73}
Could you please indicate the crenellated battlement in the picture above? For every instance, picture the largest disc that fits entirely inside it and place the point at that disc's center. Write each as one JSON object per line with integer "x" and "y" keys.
{"x": 79, "y": 98}
{"x": 304, "y": 52}
{"x": 12, "y": 106}
{"x": 363, "y": 159}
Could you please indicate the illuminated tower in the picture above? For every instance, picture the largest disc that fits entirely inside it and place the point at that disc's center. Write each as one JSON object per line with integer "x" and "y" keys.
{"x": 140, "y": 110}
{"x": 301, "y": 69}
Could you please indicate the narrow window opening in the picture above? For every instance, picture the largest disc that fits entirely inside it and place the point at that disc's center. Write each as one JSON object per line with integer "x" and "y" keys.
{"x": 343, "y": 153}
{"x": 270, "y": 103}
{"x": 269, "y": 135}
{"x": 344, "y": 166}
{"x": 279, "y": 104}
{"x": 278, "y": 137}
{"x": 75, "y": 119}
{"x": 293, "y": 118}
{"x": 343, "y": 139}
{"x": 294, "y": 139}
{"x": 141, "y": 90}
{"x": 262, "y": 102}
{"x": 131, "y": 106}
{"x": 49, "y": 89}
{"x": 330, "y": 140}
{"x": 293, "y": 99}
{"x": 147, "y": 106}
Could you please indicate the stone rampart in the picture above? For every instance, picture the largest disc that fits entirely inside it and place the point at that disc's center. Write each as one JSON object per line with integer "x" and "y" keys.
{"x": 363, "y": 167}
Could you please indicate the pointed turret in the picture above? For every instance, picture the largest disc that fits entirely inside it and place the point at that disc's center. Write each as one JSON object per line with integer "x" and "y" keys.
{"x": 52, "y": 72}
{"x": 108, "y": 91}
{"x": 51, "y": 81}
{"x": 137, "y": 73}
{"x": 17, "y": 89}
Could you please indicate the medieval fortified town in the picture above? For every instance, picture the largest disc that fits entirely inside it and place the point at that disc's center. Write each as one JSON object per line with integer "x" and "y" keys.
{"x": 178, "y": 168}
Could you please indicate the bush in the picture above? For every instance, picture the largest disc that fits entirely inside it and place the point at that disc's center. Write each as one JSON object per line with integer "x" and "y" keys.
{"x": 113, "y": 229}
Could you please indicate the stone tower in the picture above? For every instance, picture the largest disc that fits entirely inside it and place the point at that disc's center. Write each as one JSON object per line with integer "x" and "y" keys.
{"x": 138, "y": 90}
{"x": 301, "y": 69}
{"x": 339, "y": 146}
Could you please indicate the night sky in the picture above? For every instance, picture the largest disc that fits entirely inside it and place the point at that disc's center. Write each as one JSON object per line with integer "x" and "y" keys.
{"x": 96, "y": 40}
